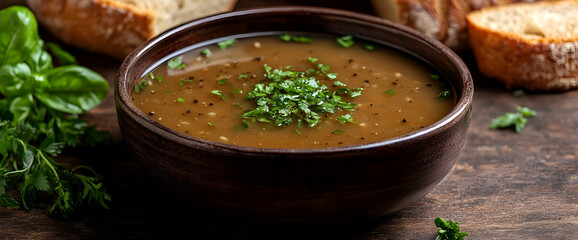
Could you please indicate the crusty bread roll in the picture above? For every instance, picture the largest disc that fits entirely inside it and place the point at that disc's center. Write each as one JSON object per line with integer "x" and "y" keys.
{"x": 116, "y": 27}
{"x": 533, "y": 46}
{"x": 445, "y": 20}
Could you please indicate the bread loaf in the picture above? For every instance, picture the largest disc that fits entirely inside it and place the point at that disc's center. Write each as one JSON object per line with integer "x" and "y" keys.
{"x": 528, "y": 45}
{"x": 445, "y": 20}
{"x": 116, "y": 27}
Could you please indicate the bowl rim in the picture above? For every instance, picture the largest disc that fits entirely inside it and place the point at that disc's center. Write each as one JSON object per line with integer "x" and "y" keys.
{"x": 460, "y": 110}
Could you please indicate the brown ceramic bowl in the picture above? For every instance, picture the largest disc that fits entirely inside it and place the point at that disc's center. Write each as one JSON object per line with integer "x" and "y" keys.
{"x": 296, "y": 185}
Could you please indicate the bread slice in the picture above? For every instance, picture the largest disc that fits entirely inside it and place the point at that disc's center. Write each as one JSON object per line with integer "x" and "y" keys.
{"x": 444, "y": 20}
{"x": 116, "y": 27}
{"x": 533, "y": 46}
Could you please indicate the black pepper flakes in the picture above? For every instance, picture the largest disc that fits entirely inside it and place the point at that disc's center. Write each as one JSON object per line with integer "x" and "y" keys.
{"x": 189, "y": 111}
{"x": 152, "y": 113}
{"x": 211, "y": 104}
{"x": 404, "y": 120}
{"x": 355, "y": 74}
{"x": 196, "y": 101}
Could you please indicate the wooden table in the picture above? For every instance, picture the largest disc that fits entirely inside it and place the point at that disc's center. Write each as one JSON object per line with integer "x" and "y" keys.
{"x": 505, "y": 185}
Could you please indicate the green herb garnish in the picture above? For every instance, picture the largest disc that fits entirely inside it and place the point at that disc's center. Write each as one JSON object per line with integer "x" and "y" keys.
{"x": 390, "y": 92}
{"x": 222, "y": 81}
{"x": 449, "y": 230}
{"x": 338, "y": 131}
{"x": 219, "y": 93}
{"x": 176, "y": 63}
{"x": 39, "y": 105}
{"x": 206, "y": 52}
{"x": 294, "y": 97}
{"x": 288, "y": 38}
{"x": 180, "y": 100}
{"x": 347, "y": 118}
{"x": 140, "y": 86}
{"x": 241, "y": 76}
{"x": 444, "y": 94}
{"x": 227, "y": 43}
{"x": 369, "y": 47}
{"x": 517, "y": 120}
{"x": 345, "y": 41}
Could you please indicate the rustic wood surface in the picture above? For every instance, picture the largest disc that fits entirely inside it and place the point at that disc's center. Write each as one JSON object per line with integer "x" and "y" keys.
{"x": 505, "y": 185}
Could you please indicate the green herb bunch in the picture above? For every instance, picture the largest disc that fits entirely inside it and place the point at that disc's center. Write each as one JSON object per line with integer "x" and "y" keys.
{"x": 449, "y": 230}
{"x": 39, "y": 108}
{"x": 299, "y": 97}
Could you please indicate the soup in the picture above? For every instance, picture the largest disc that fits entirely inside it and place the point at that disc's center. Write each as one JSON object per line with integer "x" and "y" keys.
{"x": 294, "y": 91}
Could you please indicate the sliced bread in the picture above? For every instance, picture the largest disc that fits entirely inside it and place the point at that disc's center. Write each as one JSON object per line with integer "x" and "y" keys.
{"x": 444, "y": 20}
{"x": 533, "y": 46}
{"x": 116, "y": 27}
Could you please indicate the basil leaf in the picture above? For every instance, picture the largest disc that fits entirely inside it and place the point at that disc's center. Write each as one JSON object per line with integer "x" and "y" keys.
{"x": 19, "y": 34}
{"x": 20, "y": 107}
{"x": 15, "y": 80}
{"x": 73, "y": 89}
{"x": 39, "y": 61}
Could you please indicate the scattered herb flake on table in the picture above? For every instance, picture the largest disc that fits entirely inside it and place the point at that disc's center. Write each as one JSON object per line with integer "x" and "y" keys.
{"x": 517, "y": 119}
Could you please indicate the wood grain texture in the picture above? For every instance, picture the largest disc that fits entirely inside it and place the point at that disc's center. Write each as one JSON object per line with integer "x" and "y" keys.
{"x": 505, "y": 185}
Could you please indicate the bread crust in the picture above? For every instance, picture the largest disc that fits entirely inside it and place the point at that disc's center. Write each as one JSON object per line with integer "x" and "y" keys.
{"x": 102, "y": 26}
{"x": 445, "y": 20}
{"x": 534, "y": 64}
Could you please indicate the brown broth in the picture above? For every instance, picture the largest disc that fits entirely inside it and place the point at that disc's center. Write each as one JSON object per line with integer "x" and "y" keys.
{"x": 183, "y": 100}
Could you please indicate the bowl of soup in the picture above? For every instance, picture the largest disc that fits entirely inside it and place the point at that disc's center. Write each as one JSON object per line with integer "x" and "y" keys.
{"x": 295, "y": 114}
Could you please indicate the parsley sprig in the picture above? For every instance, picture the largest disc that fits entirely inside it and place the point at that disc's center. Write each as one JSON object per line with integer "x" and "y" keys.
{"x": 39, "y": 108}
{"x": 298, "y": 97}
{"x": 517, "y": 119}
{"x": 449, "y": 230}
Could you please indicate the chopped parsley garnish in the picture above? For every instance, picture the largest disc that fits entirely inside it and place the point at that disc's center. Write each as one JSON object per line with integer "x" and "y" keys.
{"x": 517, "y": 120}
{"x": 390, "y": 92}
{"x": 347, "y": 118}
{"x": 182, "y": 82}
{"x": 435, "y": 76}
{"x": 444, "y": 94}
{"x": 227, "y": 43}
{"x": 345, "y": 41}
{"x": 206, "y": 52}
{"x": 140, "y": 86}
{"x": 296, "y": 97}
{"x": 218, "y": 93}
{"x": 449, "y": 230}
{"x": 339, "y": 84}
{"x": 338, "y": 131}
{"x": 176, "y": 63}
{"x": 180, "y": 100}
{"x": 289, "y": 38}
{"x": 244, "y": 125}
{"x": 222, "y": 81}
{"x": 369, "y": 47}
{"x": 243, "y": 76}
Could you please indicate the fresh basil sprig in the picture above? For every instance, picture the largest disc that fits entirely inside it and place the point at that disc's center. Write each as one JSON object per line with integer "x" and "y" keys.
{"x": 39, "y": 108}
